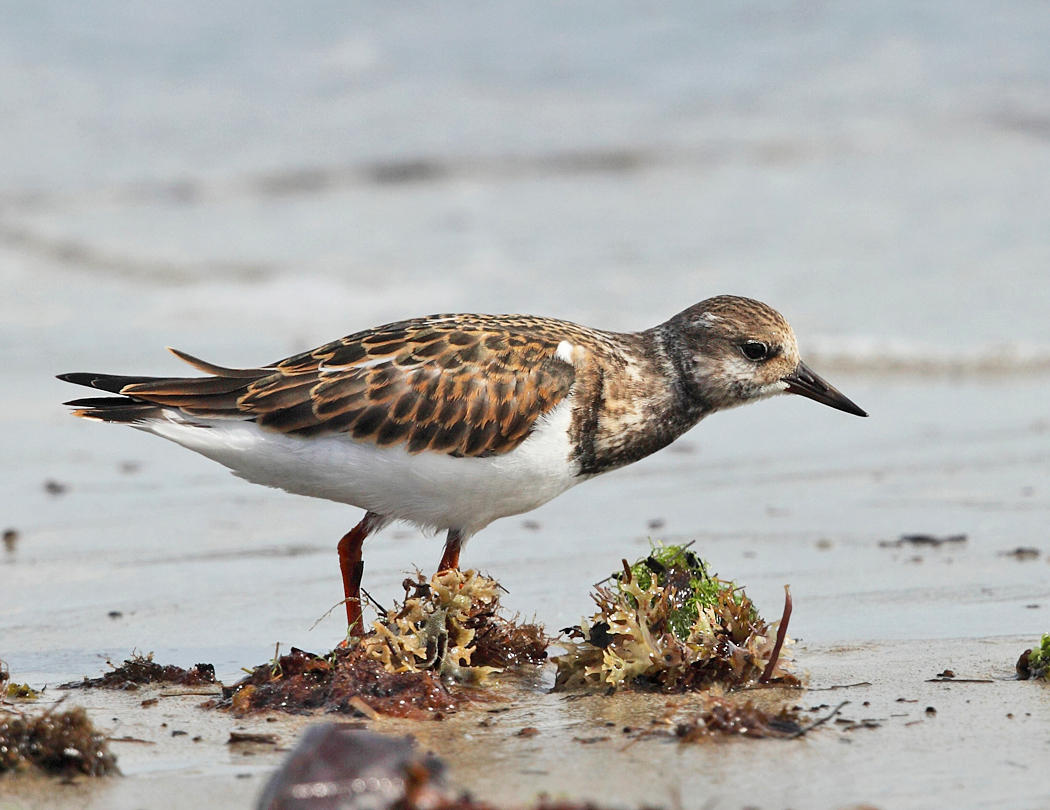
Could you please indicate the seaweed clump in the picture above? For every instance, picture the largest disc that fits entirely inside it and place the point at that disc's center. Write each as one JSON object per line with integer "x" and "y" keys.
{"x": 64, "y": 743}
{"x": 450, "y": 624}
{"x": 726, "y": 717}
{"x": 667, "y": 623}
{"x": 448, "y": 628}
{"x": 14, "y": 691}
{"x": 1035, "y": 663}
{"x": 142, "y": 669}
{"x": 19, "y": 691}
{"x": 346, "y": 681}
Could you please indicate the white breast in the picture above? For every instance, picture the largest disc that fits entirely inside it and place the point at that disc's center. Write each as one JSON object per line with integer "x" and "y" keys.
{"x": 433, "y": 490}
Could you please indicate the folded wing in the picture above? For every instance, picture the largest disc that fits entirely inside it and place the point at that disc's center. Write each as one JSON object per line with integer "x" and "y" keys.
{"x": 461, "y": 385}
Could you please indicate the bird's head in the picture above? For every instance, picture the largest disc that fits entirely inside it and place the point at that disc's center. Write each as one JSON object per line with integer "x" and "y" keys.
{"x": 731, "y": 350}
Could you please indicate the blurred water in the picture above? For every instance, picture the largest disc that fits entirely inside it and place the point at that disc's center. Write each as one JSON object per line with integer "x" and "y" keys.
{"x": 879, "y": 173}
{"x": 247, "y": 180}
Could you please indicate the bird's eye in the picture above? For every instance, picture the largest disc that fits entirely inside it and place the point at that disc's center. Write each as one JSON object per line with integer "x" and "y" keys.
{"x": 754, "y": 350}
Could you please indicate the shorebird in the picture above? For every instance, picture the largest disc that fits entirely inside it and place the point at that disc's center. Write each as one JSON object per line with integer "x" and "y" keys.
{"x": 452, "y": 421}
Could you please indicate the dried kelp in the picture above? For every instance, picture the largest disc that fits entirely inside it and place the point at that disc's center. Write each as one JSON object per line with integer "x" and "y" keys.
{"x": 450, "y": 624}
{"x": 667, "y": 623}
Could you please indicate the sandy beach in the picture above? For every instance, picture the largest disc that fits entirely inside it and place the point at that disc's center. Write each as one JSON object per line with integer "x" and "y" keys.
{"x": 243, "y": 192}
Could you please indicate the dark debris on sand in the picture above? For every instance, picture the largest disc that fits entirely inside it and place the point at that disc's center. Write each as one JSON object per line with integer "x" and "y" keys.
{"x": 142, "y": 669}
{"x": 300, "y": 682}
{"x": 723, "y": 717}
{"x": 502, "y": 643}
{"x": 931, "y": 540}
{"x": 64, "y": 743}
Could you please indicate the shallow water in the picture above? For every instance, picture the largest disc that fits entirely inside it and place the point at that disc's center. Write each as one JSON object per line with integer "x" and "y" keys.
{"x": 878, "y": 174}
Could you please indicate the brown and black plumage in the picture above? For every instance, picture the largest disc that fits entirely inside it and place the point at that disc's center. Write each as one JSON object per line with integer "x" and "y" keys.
{"x": 452, "y": 421}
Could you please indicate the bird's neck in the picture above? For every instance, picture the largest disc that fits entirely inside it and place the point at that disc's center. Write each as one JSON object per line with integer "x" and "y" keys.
{"x": 630, "y": 406}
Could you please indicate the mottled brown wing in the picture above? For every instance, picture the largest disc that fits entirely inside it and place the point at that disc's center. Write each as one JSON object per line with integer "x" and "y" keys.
{"x": 459, "y": 386}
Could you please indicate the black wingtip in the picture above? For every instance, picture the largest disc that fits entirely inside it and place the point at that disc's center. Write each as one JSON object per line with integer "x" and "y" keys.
{"x": 77, "y": 378}
{"x": 113, "y": 383}
{"x": 113, "y": 409}
{"x": 97, "y": 402}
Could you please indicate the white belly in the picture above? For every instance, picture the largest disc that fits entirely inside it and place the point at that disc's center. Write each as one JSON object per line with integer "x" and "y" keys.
{"x": 430, "y": 489}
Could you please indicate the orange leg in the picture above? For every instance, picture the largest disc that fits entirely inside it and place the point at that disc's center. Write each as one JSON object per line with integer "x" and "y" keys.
{"x": 352, "y": 567}
{"x": 450, "y": 559}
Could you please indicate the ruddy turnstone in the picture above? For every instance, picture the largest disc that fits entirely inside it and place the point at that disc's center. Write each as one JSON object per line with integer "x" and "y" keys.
{"x": 452, "y": 421}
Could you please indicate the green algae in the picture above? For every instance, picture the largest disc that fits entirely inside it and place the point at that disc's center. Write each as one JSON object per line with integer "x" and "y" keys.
{"x": 666, "y": 622}
{"x": 694, "y": 587}
{"x": 1035, "y": 663}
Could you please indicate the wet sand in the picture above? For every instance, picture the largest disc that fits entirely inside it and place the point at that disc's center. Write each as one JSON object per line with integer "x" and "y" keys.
{"x": 182, "y": 559}
{"x": 202, "y": 567}
{"x": 899, "y": 740}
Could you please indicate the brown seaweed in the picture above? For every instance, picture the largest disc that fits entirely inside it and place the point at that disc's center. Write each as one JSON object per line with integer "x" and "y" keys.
{"x": 64, "y": 743}
{"x": 301, "y": 682}
{"x": 142, "y": 669}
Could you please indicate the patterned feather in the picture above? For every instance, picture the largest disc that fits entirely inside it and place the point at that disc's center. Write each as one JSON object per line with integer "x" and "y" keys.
{"x": 463, "y": 385}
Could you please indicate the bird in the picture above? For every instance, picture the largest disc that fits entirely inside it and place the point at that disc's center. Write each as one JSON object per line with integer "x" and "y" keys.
{"x": 452, "y": 421}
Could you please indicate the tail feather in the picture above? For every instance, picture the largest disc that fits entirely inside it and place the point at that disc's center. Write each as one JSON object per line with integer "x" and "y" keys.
{"x": 178, "y": 388}
{"x": 105, "y": 382}
{"x": 147, "y": 397}
{"x": 218, "y": 371}
{"x": 114, "y": 409}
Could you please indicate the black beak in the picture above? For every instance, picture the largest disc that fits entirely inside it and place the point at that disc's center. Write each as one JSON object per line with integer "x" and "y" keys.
{"x": 805, "y": 382}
